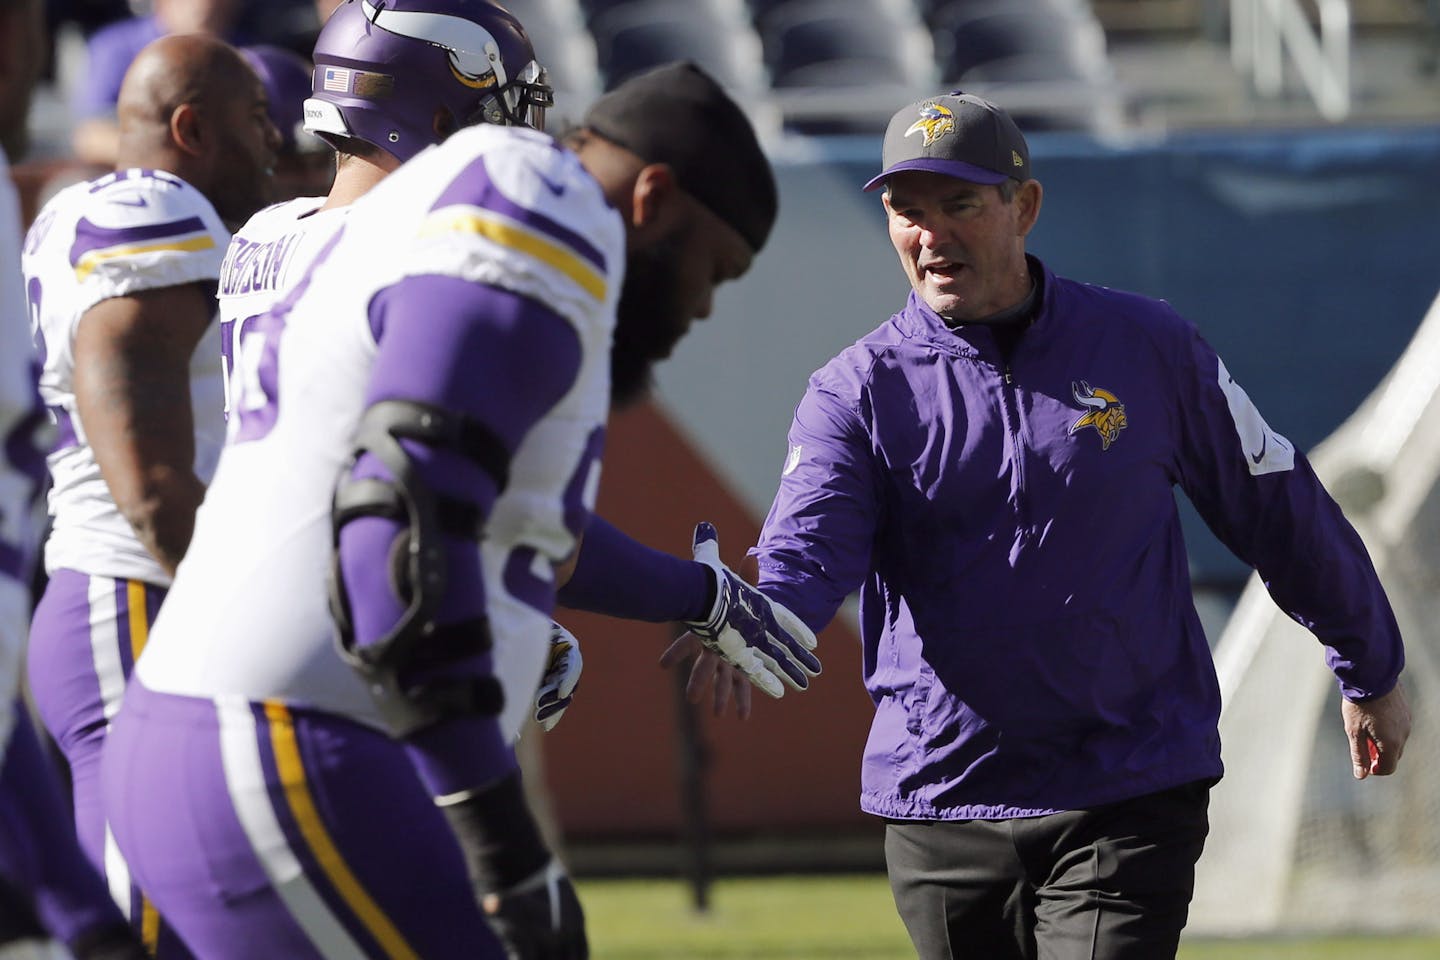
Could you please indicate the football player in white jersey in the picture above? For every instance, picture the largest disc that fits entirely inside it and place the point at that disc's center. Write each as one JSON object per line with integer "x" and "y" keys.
{"x": 120, "y": 274}
{"x": 449, "y": 356}
{"x": 48, "y": 888}
{"x": 383, "y": 89}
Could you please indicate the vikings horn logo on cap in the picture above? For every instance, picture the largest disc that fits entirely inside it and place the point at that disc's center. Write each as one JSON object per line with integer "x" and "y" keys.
{"x": 935, "y": 121}
{"x": 474, "y": 54}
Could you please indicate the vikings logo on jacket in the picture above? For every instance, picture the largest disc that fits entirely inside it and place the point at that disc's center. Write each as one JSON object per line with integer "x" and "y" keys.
{"x": 1103, "y": 411}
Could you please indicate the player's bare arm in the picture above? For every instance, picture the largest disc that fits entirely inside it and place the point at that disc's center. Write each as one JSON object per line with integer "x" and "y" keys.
{"x": 132, "y": 390}
{"x": 754, "y": 636}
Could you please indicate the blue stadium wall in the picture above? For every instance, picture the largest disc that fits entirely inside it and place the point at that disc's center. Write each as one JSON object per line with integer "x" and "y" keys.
{"x": 1307, "y": 257}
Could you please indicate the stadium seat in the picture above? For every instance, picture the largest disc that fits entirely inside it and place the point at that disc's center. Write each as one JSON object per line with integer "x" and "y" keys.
{"x": 639, "y": 34}
{"x": 760, "y": 10}
{"x": 594, "y": 8}
{"x": 803, "y": 35}
{"x": 930, "y": 9}
{"x": 1043, "y": 59}
{"x": 1047, "y": 55}
{"x": 838, "y": 66}
{"x": 1017, "y": 39}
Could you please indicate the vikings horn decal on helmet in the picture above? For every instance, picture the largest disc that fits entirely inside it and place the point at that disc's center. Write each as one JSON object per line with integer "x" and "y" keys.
{"x": 383, "y": 67}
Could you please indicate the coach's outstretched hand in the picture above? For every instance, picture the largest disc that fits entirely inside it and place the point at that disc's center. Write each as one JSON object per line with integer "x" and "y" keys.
{"x": 1377, "y": 730}
{"x": 760, "y": 637}
{"x": 711, "y": 676}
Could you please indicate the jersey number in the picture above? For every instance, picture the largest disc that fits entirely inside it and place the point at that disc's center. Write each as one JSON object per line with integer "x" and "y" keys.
{"x": 251, "y": 354}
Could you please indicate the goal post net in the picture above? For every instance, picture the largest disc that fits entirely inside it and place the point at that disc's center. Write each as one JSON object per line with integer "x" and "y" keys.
{"x": 1296, "y": 844}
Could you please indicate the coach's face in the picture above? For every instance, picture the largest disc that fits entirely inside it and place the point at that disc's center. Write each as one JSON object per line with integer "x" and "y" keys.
{"x": 670, "y": 283}
{"x": 962, "y": 244}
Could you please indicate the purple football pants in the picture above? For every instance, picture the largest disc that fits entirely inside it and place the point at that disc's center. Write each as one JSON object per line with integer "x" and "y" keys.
{"x": 263, "y": 830}
{"x": 84, "y": 638}
{"x": 38, "y": 852}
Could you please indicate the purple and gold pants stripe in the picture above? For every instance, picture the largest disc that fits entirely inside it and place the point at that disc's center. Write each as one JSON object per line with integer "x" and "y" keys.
{"x": 84, "y": 640}
{"x": 267, "y": 830}
{"x": 258, "y": 742}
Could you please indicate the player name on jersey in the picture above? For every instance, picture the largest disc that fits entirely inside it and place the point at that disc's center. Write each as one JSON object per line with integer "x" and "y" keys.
{"x": 251, "y": 267}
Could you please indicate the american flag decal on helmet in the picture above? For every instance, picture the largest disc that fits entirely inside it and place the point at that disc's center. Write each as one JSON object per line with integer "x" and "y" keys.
{"x": 336, "y": 79}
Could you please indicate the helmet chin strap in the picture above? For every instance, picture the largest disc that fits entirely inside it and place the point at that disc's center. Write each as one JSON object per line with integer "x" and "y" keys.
{"x": 496, "y": 108}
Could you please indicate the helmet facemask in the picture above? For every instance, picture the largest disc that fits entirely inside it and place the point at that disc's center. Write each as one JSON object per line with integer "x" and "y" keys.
{"x": 521, "y": 102}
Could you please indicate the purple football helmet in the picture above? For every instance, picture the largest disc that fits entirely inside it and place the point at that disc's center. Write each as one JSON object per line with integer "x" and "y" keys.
{"x": 382, "y": 67}
{"x": 286, "y": 77}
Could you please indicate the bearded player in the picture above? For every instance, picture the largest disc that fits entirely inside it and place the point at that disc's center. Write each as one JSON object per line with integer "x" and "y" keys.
{"x": 449, "y": 357}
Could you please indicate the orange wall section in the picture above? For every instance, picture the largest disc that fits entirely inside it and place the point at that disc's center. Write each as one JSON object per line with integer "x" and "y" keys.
{"x": 613, "y": 764}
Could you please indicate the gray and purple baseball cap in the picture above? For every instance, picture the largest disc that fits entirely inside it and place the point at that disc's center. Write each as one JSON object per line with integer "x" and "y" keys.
{"x": 957, "y": 134}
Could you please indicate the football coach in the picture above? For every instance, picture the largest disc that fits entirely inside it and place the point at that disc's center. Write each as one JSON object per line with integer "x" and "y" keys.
{"x": 993, "y": 468}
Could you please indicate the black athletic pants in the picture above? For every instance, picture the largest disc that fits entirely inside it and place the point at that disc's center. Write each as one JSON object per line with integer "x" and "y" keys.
{"x": 1109, "y": 883}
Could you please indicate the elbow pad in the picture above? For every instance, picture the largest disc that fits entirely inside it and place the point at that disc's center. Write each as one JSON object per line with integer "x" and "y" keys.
{"x": 416, "y": 646}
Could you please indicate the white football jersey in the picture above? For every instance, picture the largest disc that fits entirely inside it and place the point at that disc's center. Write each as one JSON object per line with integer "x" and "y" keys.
{"x": 267, "y": 257}
{"x": 126, "y": 232}
{"x": 19, "y": 523}
{"x": 247, "y": 616}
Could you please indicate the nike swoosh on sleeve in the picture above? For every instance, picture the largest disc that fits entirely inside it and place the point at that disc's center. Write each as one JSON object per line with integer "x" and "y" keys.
{"x": 1264, "y": 442}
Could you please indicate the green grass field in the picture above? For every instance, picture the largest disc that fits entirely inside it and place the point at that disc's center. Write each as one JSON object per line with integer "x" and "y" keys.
{"x": 845, "y": 918}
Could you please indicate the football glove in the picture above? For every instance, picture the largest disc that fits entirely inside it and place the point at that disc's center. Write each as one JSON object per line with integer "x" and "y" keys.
{"x": 758, "y": 636}
{"x": 523, "y": 892}
{"x": 113, "y": 942}
{"x": 562, "y": 676}
{"x": 539, "y": 918}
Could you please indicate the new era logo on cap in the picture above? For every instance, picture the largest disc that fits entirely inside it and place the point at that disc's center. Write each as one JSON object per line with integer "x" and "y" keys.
{"x": 959, "y": 135}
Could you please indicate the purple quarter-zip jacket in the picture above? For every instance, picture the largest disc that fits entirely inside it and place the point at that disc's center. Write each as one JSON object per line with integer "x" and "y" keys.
{"x": 1030, "y": 639}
